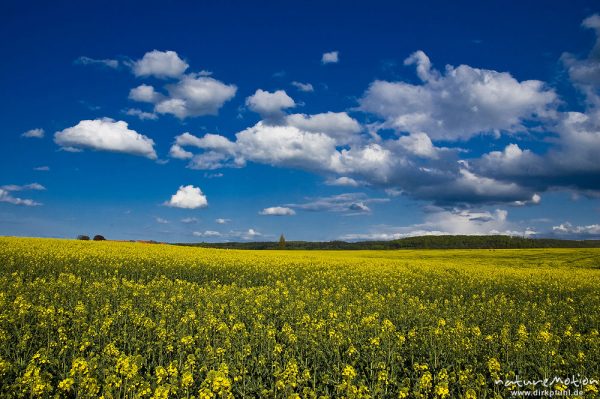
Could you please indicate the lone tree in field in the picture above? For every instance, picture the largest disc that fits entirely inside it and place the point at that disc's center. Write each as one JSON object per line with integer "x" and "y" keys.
{"x": 83, "y": 237}
{"x": 282, "y": 242}
{"x": 98, "y": 237}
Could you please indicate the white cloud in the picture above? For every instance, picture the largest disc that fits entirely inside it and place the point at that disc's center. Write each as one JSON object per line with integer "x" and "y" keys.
{"x": 277, "y": 211}
{"x": 142, "y": 115}
{"x": 252, "y": 233}
{"x": 263, "y": 143}
{"x": 388, "y": 235}
{"x": 161, "y": 220}
{"x": 289, "y": 146}
{"x": 15, "y": 187}
{"x": 413, "y": 165}
{"x": 178, "y": 152}
{"x": 188, "y": 197}
{"x": 343, "y": 181}
{"x": 305, "y": 87}
{"x": 567, "y": 229}
{"x": 445, "y": 222}
{"x": 42, "y": 168}
{"x": 210, "y": 160}
{"x": 194, "y": 96}
{"x": 222, "y": 221}
{"x": 246, "y": 235}
{"x": 286, "y": 146}
{"x": 6, "y": 194}
{"x": 462, "y": 102}
{"x": 585, "y": 73}
{"x": 578, "y": 143}
{"x": 160, "y": 64}
{"x": 34, "y": 133}
{"x": 83, "y": 60}
{"x": 470, "y": 188}
{"x": 249, "y": 234}
{"x": 337, "y": 125}
{"x": 572, "y": 162}
{"x": 208, "y": 141}
{"x": 268, "y": 104}
{"x": 145, "y": 93}
{"x": 189, "y": 220}
{"x": 535, "y": 200}
{"x": 419, "y": 144}
{"x": 207, "y": 233}
{"x": 331, "y": 57}
{"x": 105, "y": 135}
{"x": 349, "y": 203}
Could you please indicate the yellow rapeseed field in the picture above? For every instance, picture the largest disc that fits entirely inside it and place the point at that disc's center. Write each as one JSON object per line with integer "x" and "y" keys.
{"x": 126, "y": 320}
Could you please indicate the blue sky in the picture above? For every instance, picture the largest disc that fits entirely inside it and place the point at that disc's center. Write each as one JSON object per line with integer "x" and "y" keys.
{"x": 229, "y": 121}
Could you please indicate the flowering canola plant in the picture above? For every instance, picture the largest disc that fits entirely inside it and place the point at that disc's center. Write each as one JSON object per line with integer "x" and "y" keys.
{"x": 129, "y": 320}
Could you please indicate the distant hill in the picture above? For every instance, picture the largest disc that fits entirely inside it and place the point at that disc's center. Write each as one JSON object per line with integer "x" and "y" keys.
{"x": 423, "y": 242}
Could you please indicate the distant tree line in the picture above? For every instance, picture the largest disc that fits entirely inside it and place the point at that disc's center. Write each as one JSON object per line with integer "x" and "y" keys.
{"x": 423, "y": 242}
{"x": 97, "y": 237}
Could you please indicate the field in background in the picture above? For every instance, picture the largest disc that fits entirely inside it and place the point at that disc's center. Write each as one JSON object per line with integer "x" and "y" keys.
{"x": 123, "y": 320}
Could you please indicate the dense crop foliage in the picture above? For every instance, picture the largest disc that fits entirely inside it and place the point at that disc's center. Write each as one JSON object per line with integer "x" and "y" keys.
{"x": 122, "y": 320}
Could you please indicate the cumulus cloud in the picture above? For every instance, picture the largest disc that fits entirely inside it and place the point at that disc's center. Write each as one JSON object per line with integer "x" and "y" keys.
{"x": 337, "y": 125}
{"x": 222, "y": 220}
{"x": 42, "y": 168}
{"x": 105, "y": 135}
{"x": 263, "y": 143}
{"x": 34, "y": 133}
{"x": 189, "y": 220}
{"x": 459, "y": 103}
{"x": 110, "y": 63}
{"x": 419, "y": 144}
{"x": 178, "y": 152}
{"x": 277, "y": 211}
{"x": 191, "y": 96}
{"x": 269, "y": 105}
{"x": 145, "y": 93}
{"x": 305, "y": 87}
{"x": 195, "y": 96}
{"x": 161, "y": 220}
{"x": 160, "y": 64}
{"x": 188, "y": 197}
{"x": 7, "y": 196}
{"x": 331, "y": 57}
